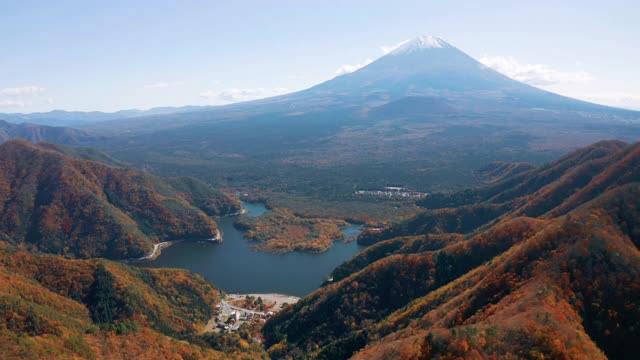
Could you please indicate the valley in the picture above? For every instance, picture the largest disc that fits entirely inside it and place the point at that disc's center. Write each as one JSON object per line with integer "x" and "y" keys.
{"x": 418, "y": 205}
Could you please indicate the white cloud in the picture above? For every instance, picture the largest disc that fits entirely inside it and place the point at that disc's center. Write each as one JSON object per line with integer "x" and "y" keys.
{"x": 19, "y": 97}
{"x": 161, "y": 85}
{"x": 232, "y": 95}
{"x": 389, "y": 48}
{"x": 616, "y": 98}
{"x": 208, "y": 94}
{"x": 8, "y": 103}
{"x": 534, "y": 74}
{"x": 348, "y": 68}
{"x": 21, "y": 91}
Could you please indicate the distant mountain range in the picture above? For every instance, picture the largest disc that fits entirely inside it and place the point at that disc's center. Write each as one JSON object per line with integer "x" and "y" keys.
{"x": 426, "y": 66}
{"x": 544, "y": 263}
{"x": 37, "y": 133}
{"x": 80, "y": 118}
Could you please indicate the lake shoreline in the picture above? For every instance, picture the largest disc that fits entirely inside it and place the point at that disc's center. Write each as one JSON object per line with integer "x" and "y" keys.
{"x": 277, "y": 298}
{"x": 242, "y": 211}
{"x": 157, "y": 248}
{"x": 235, "y": 268}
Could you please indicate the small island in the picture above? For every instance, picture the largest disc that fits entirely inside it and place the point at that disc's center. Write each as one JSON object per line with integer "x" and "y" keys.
{"x": 281, "y": 230}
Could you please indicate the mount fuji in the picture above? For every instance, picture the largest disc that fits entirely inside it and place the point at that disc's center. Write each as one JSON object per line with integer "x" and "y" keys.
{"x": 423, "y": 115}
{"x": 429, "y": 66}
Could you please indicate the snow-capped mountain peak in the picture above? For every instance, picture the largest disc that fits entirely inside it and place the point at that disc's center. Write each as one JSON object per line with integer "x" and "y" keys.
{"x": 420, "y": 43}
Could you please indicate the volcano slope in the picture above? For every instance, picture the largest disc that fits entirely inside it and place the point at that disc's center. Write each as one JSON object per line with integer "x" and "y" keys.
{"x": 425, "y": 116}
{"x": 542, "y": 265}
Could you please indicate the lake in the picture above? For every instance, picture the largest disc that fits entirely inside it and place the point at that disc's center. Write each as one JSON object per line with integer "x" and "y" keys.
{"x": 234, "y": 268}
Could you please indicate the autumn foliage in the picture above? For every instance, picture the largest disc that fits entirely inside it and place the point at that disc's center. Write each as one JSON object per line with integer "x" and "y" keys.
{"x": 96, "y": 309}
{"x": 57, "y": 204}
{"x": 543, "y": 265}
{"x": 281, "y": 230}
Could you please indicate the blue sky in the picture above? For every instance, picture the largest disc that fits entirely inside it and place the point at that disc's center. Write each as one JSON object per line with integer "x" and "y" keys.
{"x": 111, "y": 55}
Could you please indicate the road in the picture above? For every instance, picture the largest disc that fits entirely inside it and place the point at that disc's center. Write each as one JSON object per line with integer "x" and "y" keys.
{"x": 227, "y": 309}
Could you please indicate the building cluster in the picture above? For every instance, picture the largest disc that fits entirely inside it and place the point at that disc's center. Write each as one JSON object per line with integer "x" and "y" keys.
{"x": 229, "y": 322}
{"x": 392, "y": 192}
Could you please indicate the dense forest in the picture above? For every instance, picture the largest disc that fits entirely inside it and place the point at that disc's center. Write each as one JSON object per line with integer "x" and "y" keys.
{"x": 500, "y": 170}
{"x": 96, "y": 309}
{"x": 64, "y": 202}
{"x": 544, "y": 264}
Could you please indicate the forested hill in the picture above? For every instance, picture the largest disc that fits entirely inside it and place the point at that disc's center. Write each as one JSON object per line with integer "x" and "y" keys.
{"x": 78, "y": 202}
{"x": 51, "y": 307}
{"x": 543, "y": 265}
{"x": 548, "y": 191}
{"x": 59, "y": 204}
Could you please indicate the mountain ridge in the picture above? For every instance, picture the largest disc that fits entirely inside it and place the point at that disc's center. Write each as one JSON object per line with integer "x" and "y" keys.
{"x": 97, "y": 309}
{"x": 85, "y": 208}
{"x": 587, "y": 246}
{"x": 424, "y": 287}
{"x": 78, "y": 118}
